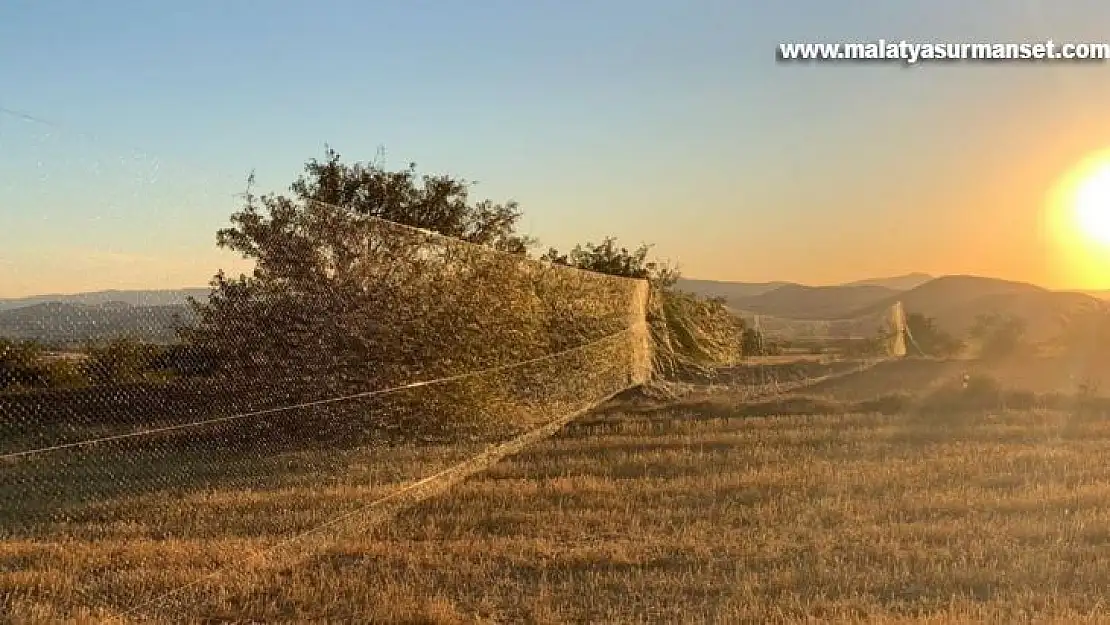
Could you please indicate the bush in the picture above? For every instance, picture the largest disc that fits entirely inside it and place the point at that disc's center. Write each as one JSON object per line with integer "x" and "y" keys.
{"x": 929, "y": 339}
{"x": 21, "y": 365}
{"x": 998, "y": 336}
{"x": 185, "y": 360}
{"x": 64, "y": 374}
{"x": 753, "y": 343}
{"x": 118, "y": 361}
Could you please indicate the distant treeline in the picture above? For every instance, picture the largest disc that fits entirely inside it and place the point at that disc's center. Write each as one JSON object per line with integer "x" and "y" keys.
{"x": 30, "y": 365}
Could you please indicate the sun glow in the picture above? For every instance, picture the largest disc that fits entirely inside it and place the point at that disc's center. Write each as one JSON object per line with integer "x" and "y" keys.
{"x": 1079, "y": 218}
{"x": 1092, "y": 205}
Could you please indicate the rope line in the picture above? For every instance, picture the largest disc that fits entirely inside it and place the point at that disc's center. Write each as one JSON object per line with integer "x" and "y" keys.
{"x": 311, "y": 404}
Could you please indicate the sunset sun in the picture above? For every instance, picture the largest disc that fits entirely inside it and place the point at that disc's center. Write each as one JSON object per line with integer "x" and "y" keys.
{"x": 1091, "y": 204}
{"x": 1078, "y": 217}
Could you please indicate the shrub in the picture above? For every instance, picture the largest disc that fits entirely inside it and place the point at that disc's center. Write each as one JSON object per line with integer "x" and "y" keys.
{"x": 62, "y": 373}
{"x": 929, "y": 339}
{"x": 21, "y": 365}
{"x": 998, "y": 336}
{"x": 118, "y": 361}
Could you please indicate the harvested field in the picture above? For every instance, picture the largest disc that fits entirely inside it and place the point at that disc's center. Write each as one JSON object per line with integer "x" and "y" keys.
{"x": 698, "y": 511}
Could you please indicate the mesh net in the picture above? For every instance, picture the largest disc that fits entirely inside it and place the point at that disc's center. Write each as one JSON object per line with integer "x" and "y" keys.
{"x": 163, "y": 454}
{"x": 784, "y": 355}
{"x": 880, "y": 333}
{"x": 158, "y": 454}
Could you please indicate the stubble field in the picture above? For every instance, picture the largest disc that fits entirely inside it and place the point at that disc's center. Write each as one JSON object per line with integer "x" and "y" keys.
{"x": 703, "y": 510}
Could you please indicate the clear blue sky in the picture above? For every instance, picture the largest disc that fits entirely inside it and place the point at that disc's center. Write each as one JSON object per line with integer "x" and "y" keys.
{"x": 661, "y": 122}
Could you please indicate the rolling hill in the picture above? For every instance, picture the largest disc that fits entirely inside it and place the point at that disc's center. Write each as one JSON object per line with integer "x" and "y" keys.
{"x": 68, "y": 324}
{"x": 728, "y": 290}
{"x": 795, "y": 301}
{"x": 954, "y": 302}
{"x": 897, "y": 283}
{"x": 799, "y": 301}
{"x": 134, "y": 298}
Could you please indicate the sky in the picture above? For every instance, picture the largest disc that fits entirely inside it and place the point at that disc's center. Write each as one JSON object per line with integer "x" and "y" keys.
{"x": 668, "y": 123}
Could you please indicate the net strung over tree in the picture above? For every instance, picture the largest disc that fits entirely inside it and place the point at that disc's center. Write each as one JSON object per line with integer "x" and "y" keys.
{"x": 388, "y": 329}
{"x": 352, "y": 334}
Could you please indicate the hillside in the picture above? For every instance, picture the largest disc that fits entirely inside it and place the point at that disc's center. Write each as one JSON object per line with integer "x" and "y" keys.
{"x": 795, "y": 301}
{"x": 729, "y": 290}
{"x": 897, "y": 283}
{"x": 61, "y": 323}
{"x": 134, "y": 298}
{"x": 955, "y": 301}
{"x": 799, "y": 301}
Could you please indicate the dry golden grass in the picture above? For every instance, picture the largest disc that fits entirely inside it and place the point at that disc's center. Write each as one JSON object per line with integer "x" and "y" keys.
{"x": 686, "y": 513}
{"x": 647, "y": 519}
{"x": 97, "y": 561}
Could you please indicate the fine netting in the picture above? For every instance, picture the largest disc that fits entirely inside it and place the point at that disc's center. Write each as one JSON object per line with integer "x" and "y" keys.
{"x": 877, "y": 333}
{"x": 303, "y": 388}
{"x": 782, "y": 355}
{"x": 150, "y": 445}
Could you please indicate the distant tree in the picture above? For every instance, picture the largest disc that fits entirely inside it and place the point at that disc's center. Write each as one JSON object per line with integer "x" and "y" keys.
{"x": 21, "y": 365}
{"x": 606, "y": 257}
{"x": 118, "y": 361}
{"x": 755, "y": 343}
{"x": 998, "y": 335}
{"x": 930, "y": 339}
{"x": 184, "y": 359}
{"x": 752, "y": 342}
{"x": 64, "y": 373}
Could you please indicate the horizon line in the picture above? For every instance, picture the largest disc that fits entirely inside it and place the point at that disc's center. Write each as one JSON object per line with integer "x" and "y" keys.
{"x": 931, "y": 277}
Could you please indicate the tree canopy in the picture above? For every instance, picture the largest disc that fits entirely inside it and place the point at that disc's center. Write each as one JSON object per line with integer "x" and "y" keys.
{"x": 606, "y": 257}
{"x": 337, "y": 281}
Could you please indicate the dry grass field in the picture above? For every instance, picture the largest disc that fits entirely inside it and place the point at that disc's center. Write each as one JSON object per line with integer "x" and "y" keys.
{"x": 703, "y": 510}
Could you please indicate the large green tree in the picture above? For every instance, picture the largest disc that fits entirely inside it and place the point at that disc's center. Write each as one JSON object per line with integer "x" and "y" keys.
{"x": 346, "y": 266}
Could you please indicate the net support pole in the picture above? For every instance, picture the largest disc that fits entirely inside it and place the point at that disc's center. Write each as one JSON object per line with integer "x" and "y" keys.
{"x": 898, "y": 322}
{"x": 641, "y": 335}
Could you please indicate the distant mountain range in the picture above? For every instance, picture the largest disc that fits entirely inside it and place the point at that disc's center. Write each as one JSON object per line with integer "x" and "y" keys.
{"x": 133, "y": 298}
{"x": 953, "y": 301}
{"x": 745, "y": 294}
{"x": 68, "y": 324}
{"x": 69, "y": 320}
